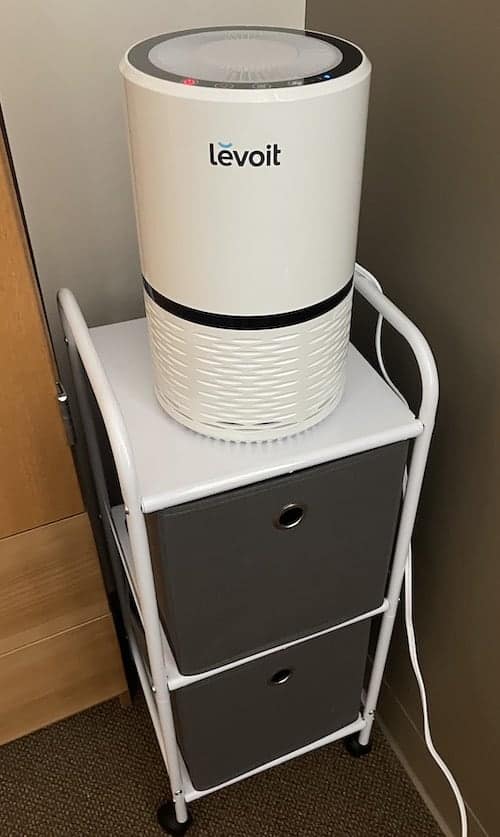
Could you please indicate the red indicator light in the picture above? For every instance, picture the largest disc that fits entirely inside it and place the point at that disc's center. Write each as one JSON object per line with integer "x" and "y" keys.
{"x": 189, "y": 81}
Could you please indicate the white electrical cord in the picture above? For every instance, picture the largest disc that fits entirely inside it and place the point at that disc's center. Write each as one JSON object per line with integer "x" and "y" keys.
{"x": 410, "y": 628}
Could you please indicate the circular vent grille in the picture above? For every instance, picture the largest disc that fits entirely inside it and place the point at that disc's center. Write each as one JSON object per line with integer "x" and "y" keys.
{"x": 245, "y": 56}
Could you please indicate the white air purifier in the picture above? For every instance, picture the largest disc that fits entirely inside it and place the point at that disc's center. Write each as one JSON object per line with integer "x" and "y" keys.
{"x": 247, "y": 150}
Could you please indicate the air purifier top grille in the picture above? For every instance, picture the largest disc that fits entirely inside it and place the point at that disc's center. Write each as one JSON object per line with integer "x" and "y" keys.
{"x": 245, "y": 57}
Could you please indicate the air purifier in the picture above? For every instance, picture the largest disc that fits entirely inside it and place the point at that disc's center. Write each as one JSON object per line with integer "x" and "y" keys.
{"x": 246, "y": 148}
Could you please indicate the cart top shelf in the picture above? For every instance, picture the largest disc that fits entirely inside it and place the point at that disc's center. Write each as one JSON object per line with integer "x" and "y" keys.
{"x": 175, "y": 465}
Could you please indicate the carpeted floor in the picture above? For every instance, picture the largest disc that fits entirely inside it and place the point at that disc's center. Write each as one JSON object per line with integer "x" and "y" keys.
{"x": 100, "y": 773}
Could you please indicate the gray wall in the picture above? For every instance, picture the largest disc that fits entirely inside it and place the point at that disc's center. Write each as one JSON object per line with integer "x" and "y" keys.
{"x": 430, "y": 230}
{"x": 62, "y": 100}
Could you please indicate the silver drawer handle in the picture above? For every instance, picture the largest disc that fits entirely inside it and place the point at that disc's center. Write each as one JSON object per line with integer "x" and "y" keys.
{"x": 290, "y": 516}
{"x": 281, "y": 677}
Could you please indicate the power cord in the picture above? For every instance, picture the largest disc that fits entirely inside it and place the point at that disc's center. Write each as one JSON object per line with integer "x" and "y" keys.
{"x": 408, "y": 597}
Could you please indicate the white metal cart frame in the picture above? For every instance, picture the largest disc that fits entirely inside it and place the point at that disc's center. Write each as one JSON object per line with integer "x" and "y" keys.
{"x": 138, "y": 568}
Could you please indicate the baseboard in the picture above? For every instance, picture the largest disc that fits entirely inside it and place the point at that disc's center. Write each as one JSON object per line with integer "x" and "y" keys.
{"x": 408, "y": 744}
{"x": 415, "y": 780}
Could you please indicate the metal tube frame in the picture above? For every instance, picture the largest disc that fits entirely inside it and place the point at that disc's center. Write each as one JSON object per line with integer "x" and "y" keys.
{"x": 82, "y": 353}
{"x": 416, "y": 469}
{"x": 80, "y": 344}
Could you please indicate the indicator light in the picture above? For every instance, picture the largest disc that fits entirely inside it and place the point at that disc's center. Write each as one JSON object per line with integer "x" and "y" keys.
{"x": 189, "y": 81}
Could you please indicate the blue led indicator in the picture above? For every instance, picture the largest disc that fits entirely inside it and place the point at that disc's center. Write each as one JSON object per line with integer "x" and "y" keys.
{"x": 327, "y": 75}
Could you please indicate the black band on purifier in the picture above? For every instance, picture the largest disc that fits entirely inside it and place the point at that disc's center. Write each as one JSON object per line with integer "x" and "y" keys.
{"x": 252, "y": 322}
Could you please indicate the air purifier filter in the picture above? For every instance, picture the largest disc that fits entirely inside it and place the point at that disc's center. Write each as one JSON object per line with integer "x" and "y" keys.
{"x": 247, "y": 150}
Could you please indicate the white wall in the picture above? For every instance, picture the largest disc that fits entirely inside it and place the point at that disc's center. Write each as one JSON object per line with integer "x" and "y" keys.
{"x": 62, "y": 101}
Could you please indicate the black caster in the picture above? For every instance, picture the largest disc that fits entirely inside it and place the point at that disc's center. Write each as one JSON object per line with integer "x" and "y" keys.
{"x": 352, "y": 745}
{"x": 169, "y": 822}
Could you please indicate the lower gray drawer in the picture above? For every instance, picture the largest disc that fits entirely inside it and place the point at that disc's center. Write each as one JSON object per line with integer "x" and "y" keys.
{"x": 233, "y": 722}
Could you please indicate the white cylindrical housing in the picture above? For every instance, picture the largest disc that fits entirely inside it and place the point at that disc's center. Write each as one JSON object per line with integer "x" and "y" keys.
{"x": 247, "y": 150}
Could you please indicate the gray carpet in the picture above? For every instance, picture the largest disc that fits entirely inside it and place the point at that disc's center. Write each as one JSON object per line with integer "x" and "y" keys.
{"x": 100, "y": 773}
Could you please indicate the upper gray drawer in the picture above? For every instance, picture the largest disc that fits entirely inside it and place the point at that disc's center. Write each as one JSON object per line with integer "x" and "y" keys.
{"x": 255, "y": 567}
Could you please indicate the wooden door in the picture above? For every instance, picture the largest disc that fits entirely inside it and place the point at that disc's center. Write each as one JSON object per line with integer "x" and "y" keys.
{"x": 39, "y": 483}
{"x": 58, "y": 649}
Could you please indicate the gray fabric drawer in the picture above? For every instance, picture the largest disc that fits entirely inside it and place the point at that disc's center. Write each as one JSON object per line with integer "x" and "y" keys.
{"x": 233, "y": 722}
{"x": 231, "y": 582}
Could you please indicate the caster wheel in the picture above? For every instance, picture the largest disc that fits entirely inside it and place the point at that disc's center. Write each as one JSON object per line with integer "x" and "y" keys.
{"x": 354, "y": 748}
{"x": 169, "y": 822}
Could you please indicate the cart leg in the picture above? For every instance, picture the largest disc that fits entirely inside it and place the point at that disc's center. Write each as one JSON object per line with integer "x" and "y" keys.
{"x": 377, "y": 673}
{"x": 406, "y": 523}
{"x": 355, "y": 748}
{"x": 168, "y": 819}
{"x": 360, "y": 744}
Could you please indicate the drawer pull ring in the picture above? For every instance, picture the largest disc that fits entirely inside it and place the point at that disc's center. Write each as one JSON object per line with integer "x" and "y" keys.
{"x": 280, "y": 677}
{"x": 290, "y": 516}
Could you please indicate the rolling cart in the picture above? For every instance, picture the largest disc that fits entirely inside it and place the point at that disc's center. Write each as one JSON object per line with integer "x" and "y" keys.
{"x": 249, "y": 575}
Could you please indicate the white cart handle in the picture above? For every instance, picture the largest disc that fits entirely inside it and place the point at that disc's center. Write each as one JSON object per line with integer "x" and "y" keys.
{"x": 414, "y": 338}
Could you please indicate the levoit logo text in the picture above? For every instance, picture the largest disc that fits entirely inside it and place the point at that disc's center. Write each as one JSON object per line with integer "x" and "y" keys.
{"x": 225, "y": 154}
